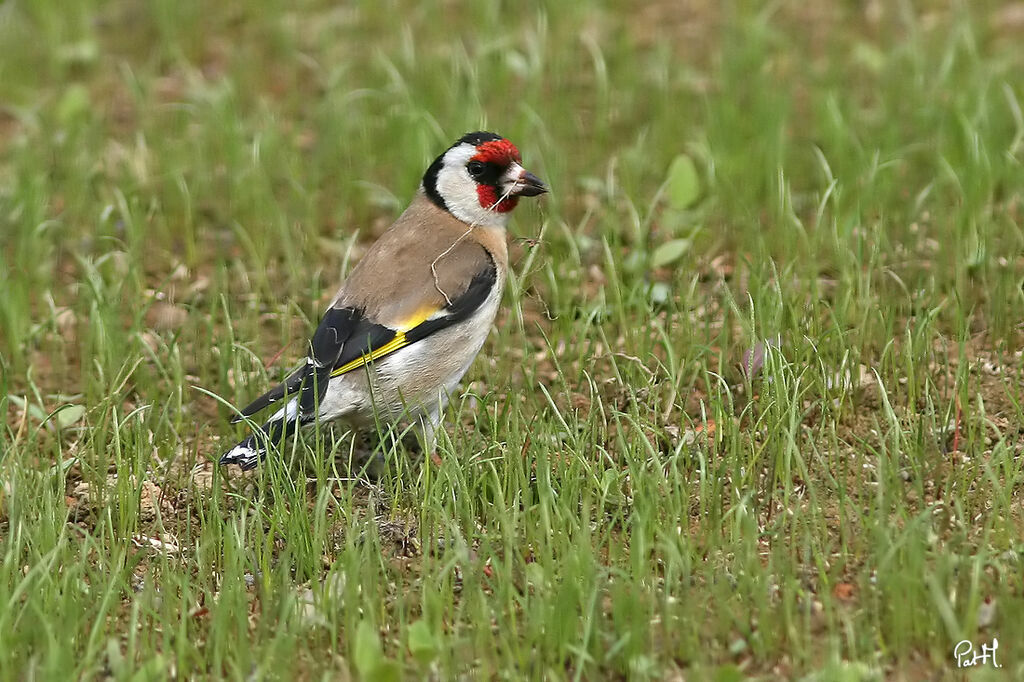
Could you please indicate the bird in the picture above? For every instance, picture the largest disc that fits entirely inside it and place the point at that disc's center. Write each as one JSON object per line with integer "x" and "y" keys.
{"x": 408, "y": 321}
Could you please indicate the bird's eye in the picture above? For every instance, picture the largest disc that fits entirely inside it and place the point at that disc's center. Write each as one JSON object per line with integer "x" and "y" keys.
{"x": 475, "y": 168}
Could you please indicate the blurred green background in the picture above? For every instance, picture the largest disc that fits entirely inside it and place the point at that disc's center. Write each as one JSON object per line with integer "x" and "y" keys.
{"x": 832, "y": 188}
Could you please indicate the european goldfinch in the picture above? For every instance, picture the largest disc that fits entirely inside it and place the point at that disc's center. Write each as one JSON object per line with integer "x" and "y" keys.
{"x": 413, "y": 314}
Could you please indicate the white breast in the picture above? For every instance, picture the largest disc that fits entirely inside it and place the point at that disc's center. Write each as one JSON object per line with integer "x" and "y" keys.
{"x": 418, "y": 378}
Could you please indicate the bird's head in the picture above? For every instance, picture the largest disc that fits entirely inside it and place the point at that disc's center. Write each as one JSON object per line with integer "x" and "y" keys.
{"x": 479, "y": 179}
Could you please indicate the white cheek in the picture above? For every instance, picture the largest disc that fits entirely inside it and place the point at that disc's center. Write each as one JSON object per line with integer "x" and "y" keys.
{"x": 459, "y": 191}
{"x": 511, "y": 176}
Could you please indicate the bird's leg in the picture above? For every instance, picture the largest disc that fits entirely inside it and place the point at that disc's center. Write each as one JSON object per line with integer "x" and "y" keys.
{"x": 429, "y": 421}
{"x": 427, "y": 428}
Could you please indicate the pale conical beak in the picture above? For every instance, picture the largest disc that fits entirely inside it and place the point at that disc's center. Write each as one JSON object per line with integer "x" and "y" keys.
{"x": 529, "y": 185}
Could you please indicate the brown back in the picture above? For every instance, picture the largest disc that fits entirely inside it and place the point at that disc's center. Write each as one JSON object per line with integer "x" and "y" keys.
{"x": 400, "y": 261}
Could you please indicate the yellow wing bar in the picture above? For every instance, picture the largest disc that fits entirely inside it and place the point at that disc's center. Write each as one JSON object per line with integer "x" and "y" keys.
{"x": 399, "y": 341}
{"x": 390, "y": 347}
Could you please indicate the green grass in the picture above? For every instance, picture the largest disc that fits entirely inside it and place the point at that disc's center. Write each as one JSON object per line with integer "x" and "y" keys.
{"x": 183, "y": 183}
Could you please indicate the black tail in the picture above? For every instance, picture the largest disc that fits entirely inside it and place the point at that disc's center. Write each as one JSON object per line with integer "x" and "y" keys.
{"x": 252, "y": 450}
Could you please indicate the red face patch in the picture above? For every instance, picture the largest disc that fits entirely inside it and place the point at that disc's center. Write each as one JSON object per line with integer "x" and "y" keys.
{"x": 488, "y": 198}
{"x": 501, "y": 152}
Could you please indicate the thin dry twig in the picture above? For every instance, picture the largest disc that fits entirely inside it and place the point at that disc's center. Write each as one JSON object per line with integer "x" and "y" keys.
{"x": 433, "y": 265}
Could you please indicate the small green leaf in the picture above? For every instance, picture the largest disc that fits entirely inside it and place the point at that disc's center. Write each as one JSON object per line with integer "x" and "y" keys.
{"x": 635, "y": 261}
{"x": 422, "y": 643}
{"x": 611, "y": 490}
{"x": 73, "y": 104}
{"x": 367, "y": 652}
{"x": 683, "y": 182}
{"x": 115, "y": 659}
{"x": 729, "y": 673}
{"x": 672, "y": 221}
{"x": 81, "y": 53}
{"x": 669, "y": 252}
{"x": 660, "y": 293}
{"x": 386, "y": 671}
{"x": 535, "y": 576}
{"x": 70, "y": 415}
{"x": 34, "y": 410}
{"x": 869, "y": 56}
{"x": 153, "y": 669}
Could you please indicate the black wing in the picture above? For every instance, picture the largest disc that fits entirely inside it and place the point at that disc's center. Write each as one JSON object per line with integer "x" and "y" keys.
{"x": 290, "y": 384}
{"x": 345, "y": 340}
{"x": 460, "y": 308}
{"x": 344, "y": 335}
{"x": 329, "y": 346}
